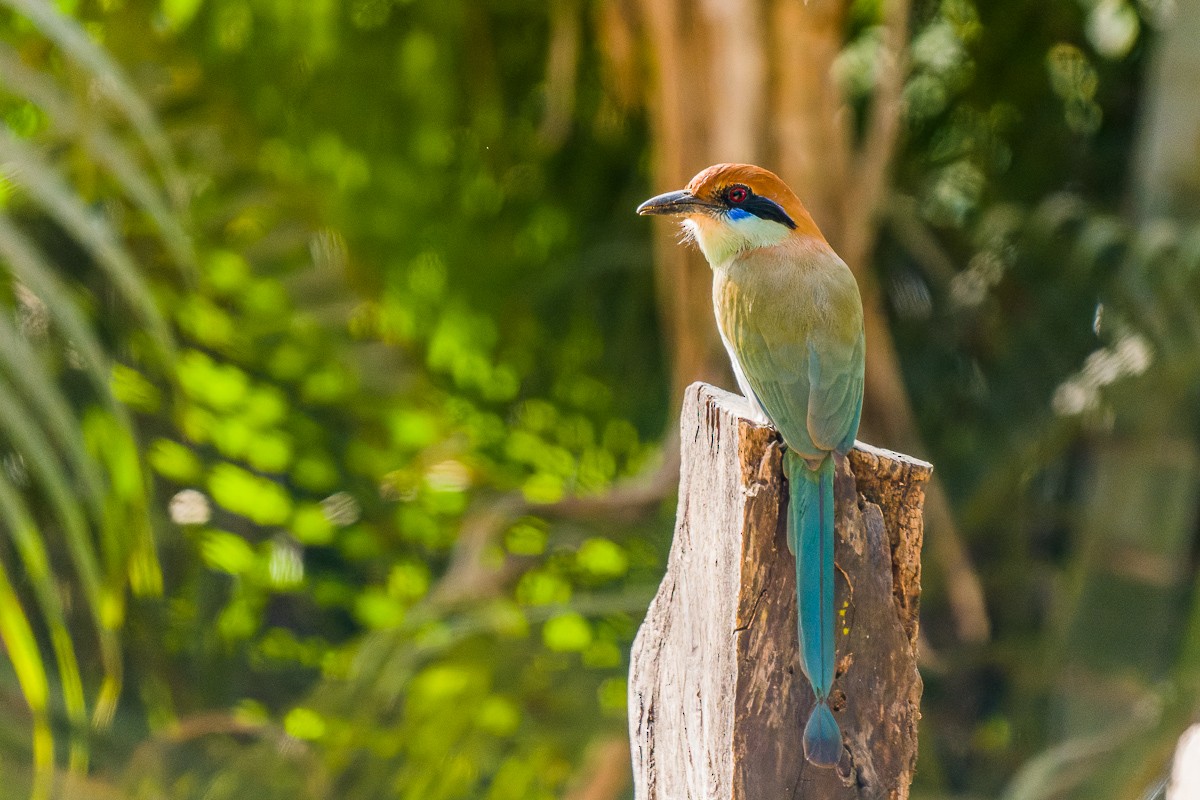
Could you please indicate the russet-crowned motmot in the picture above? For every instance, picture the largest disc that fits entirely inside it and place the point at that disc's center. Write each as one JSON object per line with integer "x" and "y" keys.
{"x": 790, "y": 315}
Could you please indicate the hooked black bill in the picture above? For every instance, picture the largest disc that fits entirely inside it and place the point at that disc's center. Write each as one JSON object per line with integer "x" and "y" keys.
{"x": 680, "y": 202}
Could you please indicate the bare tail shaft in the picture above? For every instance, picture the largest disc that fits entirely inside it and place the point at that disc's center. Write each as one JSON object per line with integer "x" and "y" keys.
{"x": 810, "y": 535}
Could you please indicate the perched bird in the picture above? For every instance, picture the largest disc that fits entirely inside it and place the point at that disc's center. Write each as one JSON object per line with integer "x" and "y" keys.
{"x": 790, "y": 315}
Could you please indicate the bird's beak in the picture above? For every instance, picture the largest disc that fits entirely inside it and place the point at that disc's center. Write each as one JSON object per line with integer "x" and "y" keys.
{"x": 681, "y": 202}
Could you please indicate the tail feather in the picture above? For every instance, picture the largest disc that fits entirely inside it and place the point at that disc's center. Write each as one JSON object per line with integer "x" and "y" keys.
{"x": 822, "y": 737}
{"x": 810, "y": 535}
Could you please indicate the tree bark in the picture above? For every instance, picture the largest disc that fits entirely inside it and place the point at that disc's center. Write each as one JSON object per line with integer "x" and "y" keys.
{"x": 717, "y": 701}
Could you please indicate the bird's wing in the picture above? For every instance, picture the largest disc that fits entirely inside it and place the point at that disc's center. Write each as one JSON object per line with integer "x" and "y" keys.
{"x": 777, "y": 372}
{"x": 807, "y": 377}
{"x": 812, "y": 390}
{"x": 835, "y": 377}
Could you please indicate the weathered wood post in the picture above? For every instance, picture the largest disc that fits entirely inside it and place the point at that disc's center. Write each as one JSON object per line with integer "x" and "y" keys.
{"x": 716, "y": 701}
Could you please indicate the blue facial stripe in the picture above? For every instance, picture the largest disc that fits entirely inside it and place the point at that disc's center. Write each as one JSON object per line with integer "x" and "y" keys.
{"x": 736, "y": 214}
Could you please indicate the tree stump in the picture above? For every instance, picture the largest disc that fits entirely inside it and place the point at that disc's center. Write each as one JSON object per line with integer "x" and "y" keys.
{"x": 717, "y": 701}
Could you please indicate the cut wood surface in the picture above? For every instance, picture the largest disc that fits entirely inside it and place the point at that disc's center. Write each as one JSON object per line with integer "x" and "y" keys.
{"x": 717, "y": 702}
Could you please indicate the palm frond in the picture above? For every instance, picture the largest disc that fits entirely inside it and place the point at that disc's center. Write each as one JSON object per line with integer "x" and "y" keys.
{"x": 110, "y": 78}
{"x": 28, "y": 265}
{"x": 37, "y": 571}
{"x": 102, "y": 147}
{"x": 75, "y": 483}
{"x": 47, "y": 187}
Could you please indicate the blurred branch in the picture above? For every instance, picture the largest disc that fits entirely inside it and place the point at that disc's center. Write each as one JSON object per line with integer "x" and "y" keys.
{"x": 151, "y": 755}
{"x": 1063, "y": 767}
{"x": 217, "y": 722}
{"x": 902, "y": 217}
{"x": 197, "y": 726}
{"x": 814, "y": 127}
{"x": 470, "y": 577}
{"x": 964, "y": 589}
{"x": 630, "y": 499}
{"x": 74, "y": 786}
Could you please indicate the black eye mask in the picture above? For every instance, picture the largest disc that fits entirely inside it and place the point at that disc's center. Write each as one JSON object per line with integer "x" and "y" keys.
{"x": 763, "y": 208}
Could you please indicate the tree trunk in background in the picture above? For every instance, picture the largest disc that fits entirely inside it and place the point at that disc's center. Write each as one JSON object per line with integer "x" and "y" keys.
{"x": 753, "y": 81}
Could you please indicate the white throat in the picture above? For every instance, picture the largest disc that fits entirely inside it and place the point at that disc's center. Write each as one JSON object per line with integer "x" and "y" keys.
{"x": 723, "y": 237}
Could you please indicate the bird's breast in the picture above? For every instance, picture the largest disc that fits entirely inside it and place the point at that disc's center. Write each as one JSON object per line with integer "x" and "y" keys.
{"x": 785, "y": 295}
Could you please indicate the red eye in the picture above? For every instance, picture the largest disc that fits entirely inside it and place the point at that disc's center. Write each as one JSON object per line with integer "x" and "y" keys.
{"x": 738, "y": 194}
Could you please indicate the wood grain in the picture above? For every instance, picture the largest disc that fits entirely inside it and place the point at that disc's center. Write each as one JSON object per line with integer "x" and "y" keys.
{"x": 716, "y": 700}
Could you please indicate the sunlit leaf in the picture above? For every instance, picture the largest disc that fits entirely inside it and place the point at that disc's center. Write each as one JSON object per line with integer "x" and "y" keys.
{"x": 22, "y": 651}
{"x": 376, "y": 609}
{"x": 602, "y": 558}
{"x": 174, "y": 461}
{"x": 29, "y": 543}
{"x": 179, "y": 13}
{"x": 259, "y": 499}
{"x": 227, "y": 552}
{"x": 567, "y": 633}
{"x": 310, "y": 525}
{"x": 304, "y": 723}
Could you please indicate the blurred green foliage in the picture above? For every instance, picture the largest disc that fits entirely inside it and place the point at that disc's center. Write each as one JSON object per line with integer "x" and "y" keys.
{"x": 317, "y": 310}
{"x": 325, "y": 419}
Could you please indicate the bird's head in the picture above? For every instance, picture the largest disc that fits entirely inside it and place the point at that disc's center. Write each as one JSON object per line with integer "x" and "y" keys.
{"x": 731, "y": 208}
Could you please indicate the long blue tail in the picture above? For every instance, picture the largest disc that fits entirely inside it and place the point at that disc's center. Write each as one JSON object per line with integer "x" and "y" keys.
{"x": 810, "y": 536}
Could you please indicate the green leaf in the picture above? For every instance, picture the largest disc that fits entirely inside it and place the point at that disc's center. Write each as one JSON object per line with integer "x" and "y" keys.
{"x": 270, "y": 452}
{"x": 567, "y": 633}
{"x": 103, "y": 147}
{"x": 174, "y": 461}
{"x": 27, "y": 264}
{"x": 258, "y": 499}
{"x": 603, "y": 559}
{"x": 227, "y": 552}
{"x": 27, "y": 662}
{"x": 310, "y": 526}
{"x": 179, "y": 13}
{"x": 499, "y": 716}
{"x": 32, "y": 550}
{"x": 375, "y": 609}
{"x": 408, "y": 581}
{"x": 527, "y": 537}
{"x": 131, "y": 388}
{"x": 304, "y": 724}
{"x": 49, "y": 472}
